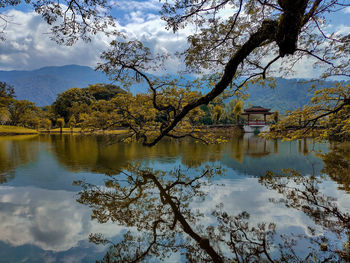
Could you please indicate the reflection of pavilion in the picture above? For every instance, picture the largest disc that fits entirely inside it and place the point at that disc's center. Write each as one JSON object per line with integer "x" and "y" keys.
{"x": 256, "y": 124}
{"x": 255, "y": 146}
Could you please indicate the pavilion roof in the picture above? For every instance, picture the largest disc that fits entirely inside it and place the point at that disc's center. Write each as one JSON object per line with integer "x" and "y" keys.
{"x": 257, "y": 110}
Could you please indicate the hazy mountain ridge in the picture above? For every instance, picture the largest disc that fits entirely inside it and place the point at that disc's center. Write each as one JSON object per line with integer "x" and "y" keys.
{"x": 288, "y": 94}
{"x": 42, "y": 86}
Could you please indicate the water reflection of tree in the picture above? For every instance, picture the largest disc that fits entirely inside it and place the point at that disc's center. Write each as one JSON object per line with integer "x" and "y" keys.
{"x": 157, "y": 205}
{"x": 16, "y": 151}
{"x": 337, "y": 166}
{"x": 303, "y": 147}
{"x": 303, "y": 193}
{"x": 98, "y": 154}
{"x": 256, "y": 146}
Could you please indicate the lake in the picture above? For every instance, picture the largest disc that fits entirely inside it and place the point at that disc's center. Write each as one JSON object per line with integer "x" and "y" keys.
{"x": 57, "y": 190}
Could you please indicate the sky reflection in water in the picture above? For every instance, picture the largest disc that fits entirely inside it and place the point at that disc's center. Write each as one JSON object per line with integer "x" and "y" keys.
{"x": 40, "y": 220}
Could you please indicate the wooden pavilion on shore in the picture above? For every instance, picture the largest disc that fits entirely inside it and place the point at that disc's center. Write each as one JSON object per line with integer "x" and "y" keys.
{"x": 256, "y": 124}
{"x": 256, "y": 110}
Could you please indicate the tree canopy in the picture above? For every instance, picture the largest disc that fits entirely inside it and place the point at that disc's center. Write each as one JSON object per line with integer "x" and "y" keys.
{"x": 70, "y": 20}
{"x": 237, "y": 41}
{"x": 326, "y": 117}
{"x": 6, "y": 90}
{"x": 237, "y": 49}
{"x": 71, "y": 101}
{"x": 159, "y": 204}
{"x": 101, "y": 91}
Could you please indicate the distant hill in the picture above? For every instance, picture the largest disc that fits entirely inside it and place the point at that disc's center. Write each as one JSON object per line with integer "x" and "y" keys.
{"x": 42, "y": 86}
{"x": 288, "y": 94}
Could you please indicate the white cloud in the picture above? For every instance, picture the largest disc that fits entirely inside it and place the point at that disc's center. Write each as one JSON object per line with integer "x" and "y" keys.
{"x": 343, "y": 29}
{"x": 347, "y": 10}
{"x": 130, "y": 5}
{"x": 234, "y": 195}
{"x": 247, "y": 194}
{"x": 28, "y": 45}
{"x": 56, "y": 223}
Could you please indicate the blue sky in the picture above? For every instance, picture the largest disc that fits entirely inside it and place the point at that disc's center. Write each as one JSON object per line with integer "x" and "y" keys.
{"x": 28, "y": 46}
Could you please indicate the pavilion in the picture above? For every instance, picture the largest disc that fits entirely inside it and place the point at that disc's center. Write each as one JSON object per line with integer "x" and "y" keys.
{"x": 252, "y": 124}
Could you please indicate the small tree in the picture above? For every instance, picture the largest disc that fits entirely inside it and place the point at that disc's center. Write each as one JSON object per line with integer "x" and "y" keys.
{"x": 46, "y": 124}
{"x": 4, "y": 115}
{"x": 276, "y": 115}
{"x": 6, "y": 90}
{"x": 21, "y": 112}
{"x": 60, "y": 123}
{"x": 35, "y": 123}
{"x": 238, "y": 109}
{"x": 217, "y": 113}
{"x": 72, "y": 122}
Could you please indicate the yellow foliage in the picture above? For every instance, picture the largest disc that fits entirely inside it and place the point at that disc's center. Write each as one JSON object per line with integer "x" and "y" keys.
{"x": 5, "y": 129}
{"x": 327, "y": 117}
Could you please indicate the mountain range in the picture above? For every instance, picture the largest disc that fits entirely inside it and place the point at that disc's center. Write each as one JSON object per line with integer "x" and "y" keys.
{"x": 288, "y": 94}
{"x": 42, "y": 86}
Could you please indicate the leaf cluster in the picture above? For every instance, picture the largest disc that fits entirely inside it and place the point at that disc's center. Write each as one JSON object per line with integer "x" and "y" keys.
{"x": 327, "y": 117}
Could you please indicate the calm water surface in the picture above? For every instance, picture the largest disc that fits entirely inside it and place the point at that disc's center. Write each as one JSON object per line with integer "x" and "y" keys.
{"x": 41, "y": 220}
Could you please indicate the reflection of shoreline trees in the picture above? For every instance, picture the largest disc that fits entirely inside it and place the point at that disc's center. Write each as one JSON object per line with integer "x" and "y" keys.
{"x": 13, "y": 153}
{"x": 97, "y": 154}
{"x": 158, "y": 205}
{"x": 337, "y": 166}
{"x": 256, "y": 146}
{"x": 303, "y": 193}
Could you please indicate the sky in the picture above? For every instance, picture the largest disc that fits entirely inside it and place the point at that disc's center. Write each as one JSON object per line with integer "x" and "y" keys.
{"x": 28, "y": 45}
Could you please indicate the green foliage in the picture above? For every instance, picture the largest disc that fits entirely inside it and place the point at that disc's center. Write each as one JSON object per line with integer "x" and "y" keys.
{"x": 46, "y": 124}
{"x": 206, "y": 119}
{"x": 6, "y": 90}
{"x": 60, "y": 123}
{"x": 102, "y": 116}
{"x": 4, "y": 115}
{"x": 6, "y": 97}
{"x": 84, "y": 104}
{"x": 326, "y": 117}
{"x": 70, "y": 101}
{"x": 104, "y": 91}
{"x": 18, "y": 112}
{"x": 217, "y": 113}
{"x": 238, "y": 109}
{"x": 236, "y": 51}
{"x": 339, "y": 125}
{"x": 22, "y": 112}
{"x": 48, "y": 113}
{"x": 72, "y": 122}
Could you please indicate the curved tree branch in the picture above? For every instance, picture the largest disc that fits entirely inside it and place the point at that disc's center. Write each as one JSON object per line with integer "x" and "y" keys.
{"x": 266, "y": 32}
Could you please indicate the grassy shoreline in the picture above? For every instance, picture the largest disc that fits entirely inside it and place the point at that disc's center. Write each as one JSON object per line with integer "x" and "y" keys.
{"x": 15, "y": 130}
{"x": 6, "y": 130}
